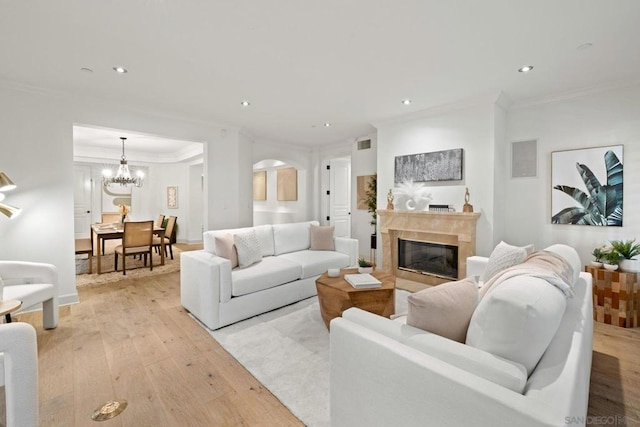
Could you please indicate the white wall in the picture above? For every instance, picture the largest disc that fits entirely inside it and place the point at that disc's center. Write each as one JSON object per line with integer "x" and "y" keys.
{"x": 607, "y": 118}
{"x": 471, "y": 128}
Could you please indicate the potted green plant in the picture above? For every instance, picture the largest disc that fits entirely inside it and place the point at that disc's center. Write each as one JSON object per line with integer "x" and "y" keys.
{"x": 371, "y": 201}
{"x": 611, "y": 258}
{"x": 597, "y": 257}
{"x": 364, "y": 266}
{"x": 628, "y": 249}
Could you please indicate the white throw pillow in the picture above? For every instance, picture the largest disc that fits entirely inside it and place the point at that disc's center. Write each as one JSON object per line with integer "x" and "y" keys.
{"x": 504, "y": 256}
{"x": 444, "y": 309}
{"x": 248, "y": 248}
{"x": 517, "y": 320}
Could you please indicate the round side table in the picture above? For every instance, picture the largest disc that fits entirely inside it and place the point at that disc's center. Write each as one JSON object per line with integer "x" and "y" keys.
{"x": 9, "y": 306}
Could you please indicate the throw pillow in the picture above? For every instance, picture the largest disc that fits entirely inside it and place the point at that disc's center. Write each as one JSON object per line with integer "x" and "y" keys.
{"x": 322, "y": 238}
{"x": 225, "y": 248}
{"x": 445, "y": 309}
{"x": 517, "y": 320}
{"x": 503, "y": 257}
{"x": 248, "y": 247}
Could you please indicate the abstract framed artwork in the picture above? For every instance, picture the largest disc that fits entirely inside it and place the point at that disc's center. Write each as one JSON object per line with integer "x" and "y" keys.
{"x": 587, "y": 186}
{"x": 287, "y": 184}
{"x": 260, "y": 186}
{"x": 172, "y": 197}
{"x": 425, "y": 167}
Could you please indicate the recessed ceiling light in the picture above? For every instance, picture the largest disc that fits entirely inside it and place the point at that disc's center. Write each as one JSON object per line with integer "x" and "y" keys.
{"x": 327, "y": 125}
{"x": 86, "y": 70}
{"x": 525, "y": 69}
{"x": 406, "y": 102}
{"x": 245, "y": 103}
{"x": 120, "y": 70}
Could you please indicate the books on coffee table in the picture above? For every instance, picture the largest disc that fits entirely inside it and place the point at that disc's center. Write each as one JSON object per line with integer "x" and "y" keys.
{"x": 362, "y": 281}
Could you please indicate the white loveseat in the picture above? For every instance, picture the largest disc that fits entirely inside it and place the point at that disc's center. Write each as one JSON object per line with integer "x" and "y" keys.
{"x": 384, "y": 372}
{"x": 218, "y": 295}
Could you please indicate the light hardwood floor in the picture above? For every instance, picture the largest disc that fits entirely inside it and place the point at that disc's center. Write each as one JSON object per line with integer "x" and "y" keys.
{"x": 133, "y": 340}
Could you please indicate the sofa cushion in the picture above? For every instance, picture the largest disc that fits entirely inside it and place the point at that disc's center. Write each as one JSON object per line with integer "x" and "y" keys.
{"x": 322, "y": 238}
{"x": 270, "y": 272}
{"x": 504, "y": 256}
{"x": 248, "y": 248}
{"x": 517, "y": 319}
{"x": 445, "y": 309}
{"x": 291, "y": 237}
{"x": 226, "y": 248}
{"x": 314, "y": 263}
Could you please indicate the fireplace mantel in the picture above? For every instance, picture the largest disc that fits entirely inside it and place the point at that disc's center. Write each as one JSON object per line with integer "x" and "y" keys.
{"x": 449, "y": 228}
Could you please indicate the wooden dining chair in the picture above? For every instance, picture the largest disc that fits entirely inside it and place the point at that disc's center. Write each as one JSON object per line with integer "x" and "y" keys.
{"x": 169, "y": 236}
{"x": 110, "y": 218}
{"x": 160, "y": 220}
{"x": 137, "y": 239}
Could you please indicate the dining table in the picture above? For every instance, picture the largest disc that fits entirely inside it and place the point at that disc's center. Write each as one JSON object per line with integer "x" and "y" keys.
{"x": 100, "y": 232}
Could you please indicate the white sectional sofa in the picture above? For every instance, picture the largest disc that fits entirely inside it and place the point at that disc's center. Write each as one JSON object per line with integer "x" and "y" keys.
{"x": 219, "y": 295}
{"x": 385, "y": 372}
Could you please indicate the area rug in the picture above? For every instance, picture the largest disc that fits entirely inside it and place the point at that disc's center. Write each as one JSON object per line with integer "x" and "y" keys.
{"x": 287, "y": 350}
{"x": 135, "y": 268}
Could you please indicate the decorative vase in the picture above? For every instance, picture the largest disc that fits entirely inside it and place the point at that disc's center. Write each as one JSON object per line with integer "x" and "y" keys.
{"x": 610, "y": 267}
{"x": 596, "y": 264}
{"x": 629, "y": 265}
{"x": 365, "y": 270}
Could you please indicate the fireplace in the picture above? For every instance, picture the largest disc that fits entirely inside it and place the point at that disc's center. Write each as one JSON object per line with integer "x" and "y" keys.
{"x": 445, "y": 229}
{"x": 428, "y": 258}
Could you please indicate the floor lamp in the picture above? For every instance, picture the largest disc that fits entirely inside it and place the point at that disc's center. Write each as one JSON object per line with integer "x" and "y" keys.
{"x": 7, "y": 185}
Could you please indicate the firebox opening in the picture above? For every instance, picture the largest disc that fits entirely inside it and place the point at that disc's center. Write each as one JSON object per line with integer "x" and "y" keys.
{"x": 428, "y": 258}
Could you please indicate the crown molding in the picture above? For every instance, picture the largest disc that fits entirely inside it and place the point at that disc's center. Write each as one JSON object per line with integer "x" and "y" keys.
{"x": 572, "y": 94}
{"x": 464, "y": 104}
{"x": 135, "y": 108}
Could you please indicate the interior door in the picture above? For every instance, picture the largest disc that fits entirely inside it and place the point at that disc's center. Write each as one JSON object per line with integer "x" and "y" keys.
{"x": 82, "y": 201}
{"x": 340, "y": 196}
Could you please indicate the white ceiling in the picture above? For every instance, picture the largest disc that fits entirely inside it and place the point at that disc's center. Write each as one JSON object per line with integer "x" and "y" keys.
{"x": 303, "y": 63}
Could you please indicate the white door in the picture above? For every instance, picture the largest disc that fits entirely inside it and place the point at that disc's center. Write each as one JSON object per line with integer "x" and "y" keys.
{"x": 340, "y": 196}
{"x": 82, "y": 201}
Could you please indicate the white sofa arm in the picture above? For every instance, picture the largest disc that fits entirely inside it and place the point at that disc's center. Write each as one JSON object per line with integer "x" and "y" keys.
{"x": 376, "y": 381}
{"x": 205, "y": 281}
{"x": 24, "y": 272}
{"x": 19, "y": 373}
{"x": 349, "y": 247}
{"x": 476, "y": 265}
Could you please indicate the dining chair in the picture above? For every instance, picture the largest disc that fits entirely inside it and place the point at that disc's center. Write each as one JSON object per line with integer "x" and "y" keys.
{"x": 137, "y": 239}
{"x": 169, "y": 236}
{"x": 160, "y": 220}
{"x": 109, "y": 218}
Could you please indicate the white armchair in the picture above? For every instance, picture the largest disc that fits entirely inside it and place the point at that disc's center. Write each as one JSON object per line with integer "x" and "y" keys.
{"x": 19, "y": 373}
{"x": 32, "y": 283}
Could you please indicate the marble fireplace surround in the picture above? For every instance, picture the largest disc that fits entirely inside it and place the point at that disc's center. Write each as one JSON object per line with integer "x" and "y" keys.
{"x": 447, "y": 228}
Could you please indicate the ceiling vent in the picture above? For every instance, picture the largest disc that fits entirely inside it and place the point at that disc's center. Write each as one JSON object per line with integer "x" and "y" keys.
{"x": 364, "y": 144}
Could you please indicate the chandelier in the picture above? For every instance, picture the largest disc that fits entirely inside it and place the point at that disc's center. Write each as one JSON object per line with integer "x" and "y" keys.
{"x": 123, "y": 177}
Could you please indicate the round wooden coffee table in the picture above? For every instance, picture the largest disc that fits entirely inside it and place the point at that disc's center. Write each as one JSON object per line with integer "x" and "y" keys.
{"x": 335, "y": 295}
{"x": 8, "y": 306}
